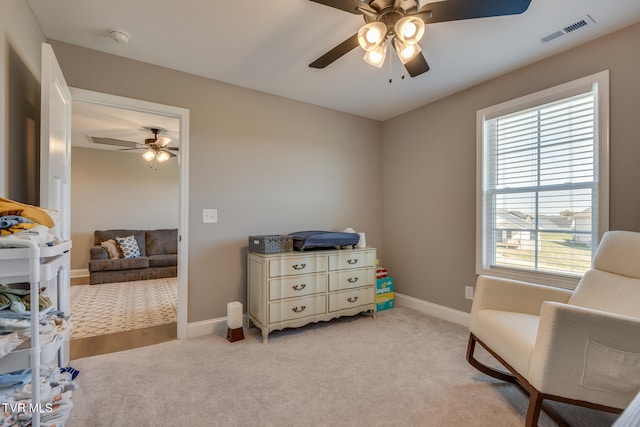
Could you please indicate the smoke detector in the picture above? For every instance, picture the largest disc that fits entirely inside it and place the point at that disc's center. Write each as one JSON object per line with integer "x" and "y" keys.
{"x": 119, "y": 36}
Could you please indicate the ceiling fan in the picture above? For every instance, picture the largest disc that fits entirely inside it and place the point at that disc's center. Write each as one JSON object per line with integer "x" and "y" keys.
{"x": 401, "y": 23}
{"x": 156, "y": 147}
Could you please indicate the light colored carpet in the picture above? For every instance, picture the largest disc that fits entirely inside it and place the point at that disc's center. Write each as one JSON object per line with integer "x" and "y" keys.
{"x": 117, "y": 307}
{"x": 401, "y": 369}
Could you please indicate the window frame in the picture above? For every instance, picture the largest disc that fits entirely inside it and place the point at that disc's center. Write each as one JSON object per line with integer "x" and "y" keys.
{"x": 599, "y": 82}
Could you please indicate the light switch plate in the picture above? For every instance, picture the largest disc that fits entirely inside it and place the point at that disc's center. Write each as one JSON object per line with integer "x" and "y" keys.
{"x": 209, "y": 215}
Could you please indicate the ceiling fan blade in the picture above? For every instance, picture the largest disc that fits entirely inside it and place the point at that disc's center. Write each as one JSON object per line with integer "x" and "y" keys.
{"x": 169, "y": 153}
{"x": 417, "y": 65}
{"x": 350, "y": 6}
{"x": 454, "y": 10}
{"x": 369, "y": 11}
{"x": 335, "y": 53}
{"x": 163, "y": 141}
{"x": 136, "y": 148}
{"x": 112, "y": 141}
{"x": 171, "y": 148}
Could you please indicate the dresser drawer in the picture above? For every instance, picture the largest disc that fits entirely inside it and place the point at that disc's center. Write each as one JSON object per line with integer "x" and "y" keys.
{"x": 297, "y": 308}
{"x": 351, "y": 279}
{"x": 348, "y": 299}
{"x": 288, "y": 266}
{"x": 297, "y": 286}
{"x": 352, "y": 259}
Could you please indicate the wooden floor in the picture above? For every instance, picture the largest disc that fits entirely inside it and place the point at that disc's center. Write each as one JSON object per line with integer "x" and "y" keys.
{"x": 110, "y": 343}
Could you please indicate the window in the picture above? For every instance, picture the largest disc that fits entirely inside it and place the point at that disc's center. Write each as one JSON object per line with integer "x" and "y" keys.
{"x": 543, "y": 182}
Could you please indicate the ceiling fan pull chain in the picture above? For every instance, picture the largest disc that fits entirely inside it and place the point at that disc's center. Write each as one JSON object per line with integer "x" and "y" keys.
{"x": 390, "y": 66}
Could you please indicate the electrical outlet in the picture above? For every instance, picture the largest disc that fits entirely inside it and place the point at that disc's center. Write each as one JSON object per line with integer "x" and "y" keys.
{"x": 468, "y": 292}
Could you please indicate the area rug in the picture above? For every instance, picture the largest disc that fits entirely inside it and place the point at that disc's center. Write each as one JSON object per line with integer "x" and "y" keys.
{"x": 118, "y": 307}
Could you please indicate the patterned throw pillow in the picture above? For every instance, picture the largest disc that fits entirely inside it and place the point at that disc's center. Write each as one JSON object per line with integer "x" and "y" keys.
{"x": 128, "y": 246}
{"x": 112, "y": 248}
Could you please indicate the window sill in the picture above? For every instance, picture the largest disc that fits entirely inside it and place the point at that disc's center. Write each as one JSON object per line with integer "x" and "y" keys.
{"x": 549, "y": 279}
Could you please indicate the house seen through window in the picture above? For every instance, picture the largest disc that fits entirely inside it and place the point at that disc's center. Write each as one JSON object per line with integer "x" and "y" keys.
{"x": 542, "y": 181}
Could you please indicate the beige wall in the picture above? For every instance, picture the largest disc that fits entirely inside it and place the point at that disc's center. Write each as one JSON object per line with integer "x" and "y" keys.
{"x": 273, "y": 165}
{"x": 267, "y": 163}
{"x": 114, "y": 189}
{"x": 18, "y": 29}
{"x": 430, "y": 176}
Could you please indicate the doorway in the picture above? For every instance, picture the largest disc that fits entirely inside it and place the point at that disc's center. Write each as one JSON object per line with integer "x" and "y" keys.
{"x": 161, "y": 112}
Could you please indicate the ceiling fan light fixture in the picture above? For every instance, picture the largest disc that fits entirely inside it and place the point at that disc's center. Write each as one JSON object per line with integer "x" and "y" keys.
{"x": 377, "y": 55}
{"x": 406, "y": 52}
{"x": 372, "y": 35}
{"x": 149, "y": 155}
{"x": 409, "y": 29}
{"x": 162, "y": 156}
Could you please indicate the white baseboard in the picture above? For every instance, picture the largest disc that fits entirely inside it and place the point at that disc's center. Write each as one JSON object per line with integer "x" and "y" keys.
{"x": 207, "y": 327}
{"x": 219, "y": 326}
{"x": 439, "y": 311}
{"x": 82, "y": 272}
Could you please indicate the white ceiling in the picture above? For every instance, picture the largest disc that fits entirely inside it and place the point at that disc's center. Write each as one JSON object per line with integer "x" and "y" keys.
{"x": 89, "y": 119}
{"x": 267, "y": 45}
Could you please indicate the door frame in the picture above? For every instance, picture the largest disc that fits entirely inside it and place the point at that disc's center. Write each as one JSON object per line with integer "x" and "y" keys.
{"x": 182, "y": 115}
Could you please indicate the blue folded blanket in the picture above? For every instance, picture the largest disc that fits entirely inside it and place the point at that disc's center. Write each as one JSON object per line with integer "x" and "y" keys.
{"x": 8, "y": 221}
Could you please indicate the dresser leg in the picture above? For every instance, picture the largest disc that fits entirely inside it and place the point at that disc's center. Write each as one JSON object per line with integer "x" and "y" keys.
{"x": 265, "y": 335}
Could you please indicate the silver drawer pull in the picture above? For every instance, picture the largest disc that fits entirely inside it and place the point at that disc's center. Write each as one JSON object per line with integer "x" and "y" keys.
{"x": 352, "y": 299}
{"x": 352, "y": 279}
{"x": 352, "y": 261}
{"x": 299, "y": 266}
{"x": 299, "y": 287}
{"x": 299, "y": 309}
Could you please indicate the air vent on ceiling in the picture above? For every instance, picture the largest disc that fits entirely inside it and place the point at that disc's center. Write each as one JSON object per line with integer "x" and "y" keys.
{"x": 587, "y": 21}
{"x": 111, "y": 141}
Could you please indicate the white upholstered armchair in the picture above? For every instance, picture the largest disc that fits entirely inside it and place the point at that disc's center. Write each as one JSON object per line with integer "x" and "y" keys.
{"x": 580, "y": 347}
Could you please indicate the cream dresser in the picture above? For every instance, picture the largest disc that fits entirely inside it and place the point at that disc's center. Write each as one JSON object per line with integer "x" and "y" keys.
{"x": 292, "y": 289}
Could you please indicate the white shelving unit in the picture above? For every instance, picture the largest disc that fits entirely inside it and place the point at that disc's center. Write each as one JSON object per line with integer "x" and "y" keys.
{"x": 22, "y": 261}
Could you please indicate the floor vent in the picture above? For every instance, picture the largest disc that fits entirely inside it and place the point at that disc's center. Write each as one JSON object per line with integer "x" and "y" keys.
{"x": 587, "y": 21}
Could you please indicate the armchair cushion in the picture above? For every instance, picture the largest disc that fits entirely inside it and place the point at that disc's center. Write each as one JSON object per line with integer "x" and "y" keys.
{"x": 513, "y": 335}
{"x": 618, "y": 253}
{"x": 609, "y": 292}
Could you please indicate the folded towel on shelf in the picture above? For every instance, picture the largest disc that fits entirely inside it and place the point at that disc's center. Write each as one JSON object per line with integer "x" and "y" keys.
{"x": 8, "y": 342}
{"x": 38, "y": 234}
{"x": 26, "y": 222}
{"x": 36, "y": 214}
{"x": 9, "y": 221}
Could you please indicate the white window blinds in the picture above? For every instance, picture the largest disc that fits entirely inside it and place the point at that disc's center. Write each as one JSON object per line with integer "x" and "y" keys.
{"x": 540, "y": 185}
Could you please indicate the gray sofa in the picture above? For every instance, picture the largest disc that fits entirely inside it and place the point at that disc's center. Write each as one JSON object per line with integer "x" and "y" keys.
{"x": 158, "y": 256}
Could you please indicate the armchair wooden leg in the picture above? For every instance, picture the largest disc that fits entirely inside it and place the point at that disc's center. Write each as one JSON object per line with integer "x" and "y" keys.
{"x": 535, "y": 404}
{"x": 535, "y": 397}
{"x": 484, "y": 368}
